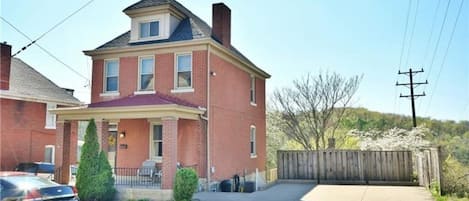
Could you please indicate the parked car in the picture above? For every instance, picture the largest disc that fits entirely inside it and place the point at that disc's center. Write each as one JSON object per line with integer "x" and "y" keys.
{"x": 42, "y": 169}
{"x": 26, "y": 186}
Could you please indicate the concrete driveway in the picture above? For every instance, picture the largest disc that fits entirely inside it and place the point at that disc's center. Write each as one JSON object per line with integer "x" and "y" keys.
{"x": 311, "y": 192}
{"x": 367, "y": 193}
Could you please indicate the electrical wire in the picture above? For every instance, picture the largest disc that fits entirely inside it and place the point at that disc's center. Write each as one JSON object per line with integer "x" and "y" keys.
{"x": 43, "y": 49}
{"x": 445, "y": 55}
{"x": 402, "y": 53}
{"x": 53, "y": 27}
{"x": 412, "y": 33}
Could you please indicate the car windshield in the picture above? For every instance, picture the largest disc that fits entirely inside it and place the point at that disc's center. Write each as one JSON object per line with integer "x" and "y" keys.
{"x": 28, "y": 182}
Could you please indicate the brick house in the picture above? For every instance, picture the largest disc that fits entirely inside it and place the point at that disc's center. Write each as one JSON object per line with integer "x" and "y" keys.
{"x": 27, "y": 128}
{"x": 177, "y": 92}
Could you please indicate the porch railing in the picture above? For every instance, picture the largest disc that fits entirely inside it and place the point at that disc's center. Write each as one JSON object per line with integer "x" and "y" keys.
{"x": 137, "y": 177}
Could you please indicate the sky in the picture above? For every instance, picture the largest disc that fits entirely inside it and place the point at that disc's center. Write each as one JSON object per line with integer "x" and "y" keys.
{"x": 287, "y": 40}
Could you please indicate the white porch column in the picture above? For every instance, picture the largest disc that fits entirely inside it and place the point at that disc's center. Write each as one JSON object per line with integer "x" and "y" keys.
{"x": 170, "y": 131}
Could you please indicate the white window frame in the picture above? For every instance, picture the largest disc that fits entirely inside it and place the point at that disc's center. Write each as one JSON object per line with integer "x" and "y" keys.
{"x": 105, "y": 91}
{"x": 182, "y": 89}
{"x": 139, "y": 24}
{"x": 50, "y": 118}
{"x": 252, "y": 90}
{"x": 139, "y": 87}
{"x": 53, "y": 152}
{"x": 252, "y": 140}
{"x": 158, "y": 159}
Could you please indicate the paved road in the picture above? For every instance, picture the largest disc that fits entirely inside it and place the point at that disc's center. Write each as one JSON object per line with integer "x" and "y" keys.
{"x": 310, "y": 192}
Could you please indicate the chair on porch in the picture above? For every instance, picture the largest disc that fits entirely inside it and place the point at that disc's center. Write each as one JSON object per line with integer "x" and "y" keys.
{"x": 148, "y": 169}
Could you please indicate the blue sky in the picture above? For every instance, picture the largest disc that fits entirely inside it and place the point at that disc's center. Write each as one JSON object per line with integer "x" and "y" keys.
{"x": 285, "y": 39}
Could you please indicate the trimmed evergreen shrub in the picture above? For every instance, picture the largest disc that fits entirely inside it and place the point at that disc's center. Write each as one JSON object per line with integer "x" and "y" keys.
{"x": 94, "y": 175}
{"x": 185, "y": 184}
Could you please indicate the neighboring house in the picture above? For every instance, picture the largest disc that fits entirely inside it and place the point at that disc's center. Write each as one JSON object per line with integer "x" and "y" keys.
{"x": 27, "y": 129}
{"x": 176, "y": 92}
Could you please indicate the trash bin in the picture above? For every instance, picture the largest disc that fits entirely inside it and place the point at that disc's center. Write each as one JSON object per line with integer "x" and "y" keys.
{"x": 225, "y": 186}
{"x": 249, "y": 187}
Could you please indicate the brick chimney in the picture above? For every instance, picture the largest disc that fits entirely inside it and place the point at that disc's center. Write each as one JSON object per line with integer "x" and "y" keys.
{"x": 221, "y": 24}
{"x": 5, "y": 61}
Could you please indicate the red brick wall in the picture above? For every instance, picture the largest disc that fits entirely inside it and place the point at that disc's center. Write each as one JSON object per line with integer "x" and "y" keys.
{"x": 23, "y": 134}
{"x": 164, "y": 77}
{"x": 231, "y": 117}
{"x": 137, "y": 138}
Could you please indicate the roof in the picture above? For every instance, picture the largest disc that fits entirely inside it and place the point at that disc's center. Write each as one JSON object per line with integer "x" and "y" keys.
{"x": 27, "y": 83}
{"x": 146, "y": 99}
{"x": 192, "y": 27}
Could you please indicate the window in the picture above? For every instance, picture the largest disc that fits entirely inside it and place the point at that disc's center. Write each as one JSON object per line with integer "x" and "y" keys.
{"x": 184, "y": 71}
{"x": 149, "y": 29}
{"x": 111, "y": 75}
{"x": 49, "y": 154}
{"x": 253, "y": 90}
{"x": 156, "y": 142}
{"x": 253, "y": 141}
{"x": 146, "y": 68}
{"x": 50, "y": 118}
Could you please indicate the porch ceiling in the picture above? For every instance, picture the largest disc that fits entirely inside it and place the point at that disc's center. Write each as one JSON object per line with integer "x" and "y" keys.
{"x": 128, "y": 112}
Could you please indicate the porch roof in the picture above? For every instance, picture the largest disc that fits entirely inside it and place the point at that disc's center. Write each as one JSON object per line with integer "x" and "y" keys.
{"x": 149, "y": 106}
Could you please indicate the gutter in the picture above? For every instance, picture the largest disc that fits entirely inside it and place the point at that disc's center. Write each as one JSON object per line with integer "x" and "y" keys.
{"x": 207, "y": 118}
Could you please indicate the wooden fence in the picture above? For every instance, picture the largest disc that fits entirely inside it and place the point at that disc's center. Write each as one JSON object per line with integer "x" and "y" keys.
{"x": 347, "y": 166}
{"x": 428, "y": 166}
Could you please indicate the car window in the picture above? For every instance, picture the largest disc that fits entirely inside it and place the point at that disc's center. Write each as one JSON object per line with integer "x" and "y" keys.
{"x": 27, "y": 182}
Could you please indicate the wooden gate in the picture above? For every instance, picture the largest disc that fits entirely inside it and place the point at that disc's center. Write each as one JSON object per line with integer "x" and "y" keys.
{"x": 347, "y": 166}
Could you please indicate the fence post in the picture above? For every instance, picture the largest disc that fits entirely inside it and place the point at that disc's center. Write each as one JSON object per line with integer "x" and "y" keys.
{"x": 441, "y": 159}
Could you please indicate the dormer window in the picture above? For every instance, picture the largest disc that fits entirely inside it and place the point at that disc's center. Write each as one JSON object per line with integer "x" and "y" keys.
{"x": 149, "y": 29}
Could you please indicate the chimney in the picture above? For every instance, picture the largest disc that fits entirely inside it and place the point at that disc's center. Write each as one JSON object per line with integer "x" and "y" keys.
{"x": 5, "y": 62}
{"x": 221, "y": 24}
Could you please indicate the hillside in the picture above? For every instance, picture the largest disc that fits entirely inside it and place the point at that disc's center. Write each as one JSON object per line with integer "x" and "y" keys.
{"x": 454, "y": 136}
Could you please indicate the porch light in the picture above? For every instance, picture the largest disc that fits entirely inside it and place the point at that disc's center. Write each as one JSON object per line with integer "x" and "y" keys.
{"x": 122, "y": 134}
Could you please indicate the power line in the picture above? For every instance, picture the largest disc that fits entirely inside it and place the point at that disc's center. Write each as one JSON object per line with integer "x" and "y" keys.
{"x": 445, "y": 54}
{"x": 431, "y": 31}
{"x": 438, "y": 40}
{"x": 402, "y": 49}
{"x": 43, "y": 49}
{"x": 412, "y": 32}
{"x": 53, "y": 27}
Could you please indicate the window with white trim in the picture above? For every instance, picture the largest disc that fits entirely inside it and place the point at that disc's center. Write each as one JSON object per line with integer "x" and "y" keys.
{"x": 111, "y": 75}
{"x": 252, "y": 91}
{"x": 184, "y": 71}
{"x": 49, "y": 153}
{"x": 156, "y": 142}
{"x": 50, "y": 118}
{"x": 146, "y": 74}
{"x": 149, "y": 29}
{"x": 252, "y": 141}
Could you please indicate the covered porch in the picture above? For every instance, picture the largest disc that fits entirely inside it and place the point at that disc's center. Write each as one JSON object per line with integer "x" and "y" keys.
{"x": 150, "y": 137}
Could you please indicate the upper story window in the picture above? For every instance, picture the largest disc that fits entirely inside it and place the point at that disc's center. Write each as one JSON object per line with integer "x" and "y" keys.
{"x": 50, "y": 118}
{"x": 111, "y": 75}
{"x": 184, "y": 70}
{"x": 146, "y": 74}
{"x": 149, "y": 29}
{"x": 253, "y": 141}
{"x": 253, "y": 90}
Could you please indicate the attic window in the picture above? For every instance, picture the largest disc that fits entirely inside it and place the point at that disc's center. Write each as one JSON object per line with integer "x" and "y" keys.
{"x": 149, "y": 29}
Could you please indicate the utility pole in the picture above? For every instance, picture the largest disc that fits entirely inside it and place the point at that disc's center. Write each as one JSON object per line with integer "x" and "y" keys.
{"x": 411, "y": 86}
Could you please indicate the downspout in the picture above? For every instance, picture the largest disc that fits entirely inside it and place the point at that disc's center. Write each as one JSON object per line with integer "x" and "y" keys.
{"x": 208, "y": 118}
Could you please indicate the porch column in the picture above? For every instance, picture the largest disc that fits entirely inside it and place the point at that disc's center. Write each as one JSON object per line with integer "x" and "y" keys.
{"x": 102, "y": 130}
{"x": 62, "y": 151}
{"x": 170, "y": 131}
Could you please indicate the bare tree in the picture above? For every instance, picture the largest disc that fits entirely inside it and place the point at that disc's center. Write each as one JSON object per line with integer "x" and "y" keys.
{"x": 314, "y": 106}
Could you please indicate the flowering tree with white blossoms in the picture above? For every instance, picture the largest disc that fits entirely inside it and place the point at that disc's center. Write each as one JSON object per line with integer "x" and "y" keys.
{"x": 393, "y": 139}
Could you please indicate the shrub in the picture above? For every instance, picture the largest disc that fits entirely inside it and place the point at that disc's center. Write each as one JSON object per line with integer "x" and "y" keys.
{"x": 185, "y": 184}
{"x": 94, "y": 175}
